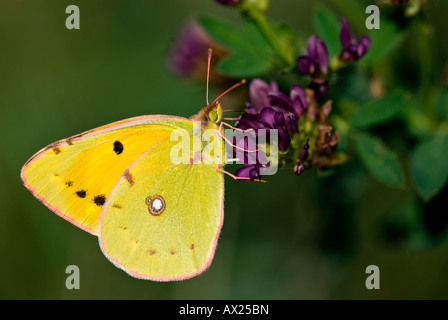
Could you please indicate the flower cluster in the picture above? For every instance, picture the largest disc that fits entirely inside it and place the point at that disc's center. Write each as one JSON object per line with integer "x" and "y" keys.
{"x": 271, "y": 109}
{"x": 305, "y": 135}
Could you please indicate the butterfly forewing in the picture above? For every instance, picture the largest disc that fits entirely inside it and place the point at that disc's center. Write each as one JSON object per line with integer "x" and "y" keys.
{"x": 75, "y": 176}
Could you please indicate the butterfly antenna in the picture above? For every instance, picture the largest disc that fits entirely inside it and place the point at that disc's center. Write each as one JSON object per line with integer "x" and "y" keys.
{"x": 230, "y": 89}
{"x": 231, "y": 110}
{"x": 209, "y": 59}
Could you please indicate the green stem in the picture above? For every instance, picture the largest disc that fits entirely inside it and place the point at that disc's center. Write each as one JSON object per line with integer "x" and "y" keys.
{"x": 266, "y": 29}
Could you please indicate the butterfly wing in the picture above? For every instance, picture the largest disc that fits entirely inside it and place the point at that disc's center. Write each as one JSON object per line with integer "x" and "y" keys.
{"x": 74, "y": 176}
{"x": 162, "y": 220}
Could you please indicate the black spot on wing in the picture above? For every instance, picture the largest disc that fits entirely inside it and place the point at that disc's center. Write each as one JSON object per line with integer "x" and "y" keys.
{"x": 118, "y": 147}
{"x": 81, "y": 193}
{"x": 69, "y": 183}
{"x": 99, "y": 200}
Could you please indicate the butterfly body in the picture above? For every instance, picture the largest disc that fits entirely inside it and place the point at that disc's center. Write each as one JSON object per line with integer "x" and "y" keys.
{"x": 156, "y": 219}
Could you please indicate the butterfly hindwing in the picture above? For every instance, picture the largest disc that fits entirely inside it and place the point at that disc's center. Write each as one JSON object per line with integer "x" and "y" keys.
{"x": 75, "y": 176}
{"x": 162, "y": 220}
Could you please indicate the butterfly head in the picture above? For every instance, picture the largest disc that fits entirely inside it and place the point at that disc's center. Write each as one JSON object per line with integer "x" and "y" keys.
{"x": 209, "y": 115}
{"x": 212, "y": 112}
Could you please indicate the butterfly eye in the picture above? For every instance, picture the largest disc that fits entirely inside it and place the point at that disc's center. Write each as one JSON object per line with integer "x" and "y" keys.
{"x": 213, "y": 116}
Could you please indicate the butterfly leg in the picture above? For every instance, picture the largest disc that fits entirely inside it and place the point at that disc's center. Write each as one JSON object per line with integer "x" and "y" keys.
{"x": 235, "y": 177}
{"x": 219, "y": 132}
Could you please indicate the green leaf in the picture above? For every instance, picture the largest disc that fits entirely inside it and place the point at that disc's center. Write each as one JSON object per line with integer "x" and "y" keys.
{"x": 225, "y": 33}
{"x": 383, "y": 42}
{"x": 244, "y": 65}
{"x": 406, "y": 218}
{"x": 378, "y": 111}
{"x": 256, "y": 39}
{"x": 429, "y": 165}
{"x": 442, "y": 105}
{"x": 251, "y": 53}
{"x": 328, "y": 26}
{"x": 382, "y": 163}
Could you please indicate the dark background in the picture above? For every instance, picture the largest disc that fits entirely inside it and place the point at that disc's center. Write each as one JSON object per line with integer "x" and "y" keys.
{"x": 307, "y": 237}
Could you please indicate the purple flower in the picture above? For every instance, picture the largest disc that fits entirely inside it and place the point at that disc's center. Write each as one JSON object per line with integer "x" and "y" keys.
{"x": 267, "y": 119}
{"x": 259, "y": 95}
{"x": 188, "y": 55}
{"x": 271, "y": 109}
{"x": 320, "y": 88}
{"x": 352, "y": 49}
{"x": 268, "y": 96}
{"x": 251, "y": 171}
{"x": 250, "y": 121}
{"x": 296, "y": 102}
{"x": 251, "y": 160}
{"x": 228, "y": 2}
{"x": 274, "y": 119}
{"x": 244, "y": 156}
{"x": 315, "y": 60}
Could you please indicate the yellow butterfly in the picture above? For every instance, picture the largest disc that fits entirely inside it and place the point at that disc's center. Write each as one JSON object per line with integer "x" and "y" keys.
{"x": 155, "y": 219}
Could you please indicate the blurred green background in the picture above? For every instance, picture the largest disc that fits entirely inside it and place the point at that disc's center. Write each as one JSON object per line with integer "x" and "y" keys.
{"x": 306, "y": 237}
